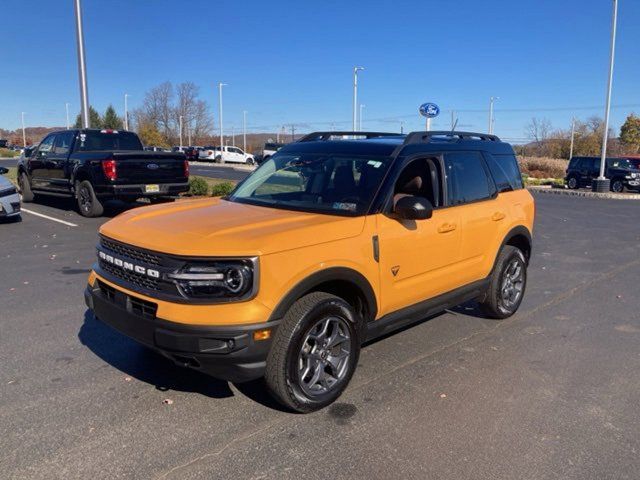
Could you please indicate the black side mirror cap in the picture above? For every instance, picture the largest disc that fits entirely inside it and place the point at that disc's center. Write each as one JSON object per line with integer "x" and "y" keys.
{"x": 413, "y": 208}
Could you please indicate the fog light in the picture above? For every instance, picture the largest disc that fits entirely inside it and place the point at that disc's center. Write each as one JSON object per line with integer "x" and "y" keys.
{"x": 264, "y": 334}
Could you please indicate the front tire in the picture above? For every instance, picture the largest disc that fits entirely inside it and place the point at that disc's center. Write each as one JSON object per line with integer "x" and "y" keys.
{"x": 507, "y": 285}
{"x": 88, "y": 204}
{"x": 250, "y": 161}
{"x": 25, "y": 188}
{"x": 314, "y": 353}
{"x": 572, "y": 183}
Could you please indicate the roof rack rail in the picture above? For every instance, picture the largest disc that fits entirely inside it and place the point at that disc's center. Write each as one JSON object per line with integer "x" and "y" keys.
{"x": 426, "y": 137}
{"x": 323, "y": 136}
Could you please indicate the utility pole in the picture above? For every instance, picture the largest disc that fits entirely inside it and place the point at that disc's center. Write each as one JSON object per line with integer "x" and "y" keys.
{"x": 453, "y": 122}
{"x": 355, "y": 96}
{"x": 82, "y": 67}
{"x": 24, "y": 135}
{"x": 220, "y": 85}
{"x": 66, "y": 106}
{"x": 180, "y": 118}
{"x": 601, "y": 184}
{"x": 360, "y": 122}
{"x": 244, "y": 131}
{"x": 573, "y": 131}
{"x": 401, "y": 126}
{"x": 491, "y": 119}
{"x": 233, "y": 136}
{"x": 126, "y": 112}
{"x": 293, "y": 132}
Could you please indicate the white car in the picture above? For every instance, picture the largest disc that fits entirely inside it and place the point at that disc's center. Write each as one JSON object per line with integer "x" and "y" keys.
{"x": 229, "y": 155}
{"x": 9, "y": 198}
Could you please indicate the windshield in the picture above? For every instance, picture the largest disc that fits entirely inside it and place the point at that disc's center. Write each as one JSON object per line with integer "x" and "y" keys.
{"x": 93, "y": 140}
{"x": 325, "y": 183}
{"x": 619, "y": 163}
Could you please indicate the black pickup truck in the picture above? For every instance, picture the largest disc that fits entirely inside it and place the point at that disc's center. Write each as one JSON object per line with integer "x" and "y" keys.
{"x": 98, "y": 165}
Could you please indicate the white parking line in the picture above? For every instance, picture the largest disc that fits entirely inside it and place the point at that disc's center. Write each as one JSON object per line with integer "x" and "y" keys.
{"x": 49, "y": 218}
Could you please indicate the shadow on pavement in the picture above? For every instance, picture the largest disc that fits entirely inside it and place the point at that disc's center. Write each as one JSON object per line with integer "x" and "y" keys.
{"x": 111, "y": 208}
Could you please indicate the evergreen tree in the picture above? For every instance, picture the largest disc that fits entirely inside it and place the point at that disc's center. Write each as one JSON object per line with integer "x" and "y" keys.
{"x": 111, "y": 120}
{"x": 95, "y": 121}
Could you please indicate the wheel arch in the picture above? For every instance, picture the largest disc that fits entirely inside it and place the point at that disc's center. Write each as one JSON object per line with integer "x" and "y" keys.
{"x": 519, "y": 237}
{"x": 343, "y": 282}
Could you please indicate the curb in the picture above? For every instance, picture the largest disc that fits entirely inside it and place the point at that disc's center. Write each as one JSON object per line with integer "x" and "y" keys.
{"x": 238, "y": 166}
{"x": 583, "y": 193}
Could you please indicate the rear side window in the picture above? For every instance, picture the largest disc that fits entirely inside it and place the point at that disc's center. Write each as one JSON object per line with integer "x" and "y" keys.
{"x": 107, "y": 140}
{"x": 467, "y": 178}
{"x": 505, "y": 172}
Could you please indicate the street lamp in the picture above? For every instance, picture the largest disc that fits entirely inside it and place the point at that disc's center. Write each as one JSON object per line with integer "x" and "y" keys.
{"x": 24, "y": 135}
{"x": 66, "y": 106}
{"x": 82, "y": 67}
{"x": 126, "y": 112}
{"x": 491, "y": 119}
{"x": 355, "y": 96}
{"x": 360, "y": 121}
{"x": 601, "y": 184}
{"x": 180, "y": 118}
{"x": 244, "y": 131}
{"x": 573, "y": 132}
{"x": 220, "y": 85}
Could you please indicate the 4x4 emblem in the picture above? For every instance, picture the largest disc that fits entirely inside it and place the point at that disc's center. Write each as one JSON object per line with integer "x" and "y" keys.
{"x": 395, "y": 270}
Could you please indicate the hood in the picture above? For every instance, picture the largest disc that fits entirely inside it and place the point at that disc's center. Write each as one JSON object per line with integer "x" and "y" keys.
{"x": 215, "y": 227}
{"x": 5, "y": 183}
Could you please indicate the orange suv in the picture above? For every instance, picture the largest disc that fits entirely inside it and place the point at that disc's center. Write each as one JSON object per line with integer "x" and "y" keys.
{"x": 336, "y": 239}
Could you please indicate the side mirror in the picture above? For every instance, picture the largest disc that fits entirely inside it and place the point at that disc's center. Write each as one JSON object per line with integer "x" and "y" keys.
{"x": 3, "y": 170}
{"x": 413, "y": 208}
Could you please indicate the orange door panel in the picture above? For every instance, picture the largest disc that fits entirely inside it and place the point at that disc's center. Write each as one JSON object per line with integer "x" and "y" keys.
{"x": 416, "y": 257}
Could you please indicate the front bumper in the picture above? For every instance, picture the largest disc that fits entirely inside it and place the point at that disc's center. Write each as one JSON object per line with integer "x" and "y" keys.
{"x": 228, "y": 353}
{"x": 10, "y": 205}
{"x": 139, "y": 190}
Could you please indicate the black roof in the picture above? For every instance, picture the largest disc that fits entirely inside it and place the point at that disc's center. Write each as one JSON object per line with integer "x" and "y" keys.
{"x": 383, "y": 144}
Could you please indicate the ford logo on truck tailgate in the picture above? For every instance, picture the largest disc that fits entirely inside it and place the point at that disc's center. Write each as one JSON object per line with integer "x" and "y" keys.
{"x": 153, "y": 166}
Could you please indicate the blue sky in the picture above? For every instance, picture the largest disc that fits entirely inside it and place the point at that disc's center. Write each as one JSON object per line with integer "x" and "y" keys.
{"x": 291, "y": 61}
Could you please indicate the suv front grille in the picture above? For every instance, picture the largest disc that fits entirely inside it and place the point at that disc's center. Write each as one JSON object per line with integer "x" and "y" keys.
{"x": 131, "y": 252}
{"x": 130, "y": 277}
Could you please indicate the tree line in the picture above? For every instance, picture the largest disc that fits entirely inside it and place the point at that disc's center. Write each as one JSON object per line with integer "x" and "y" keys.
{"x": 587, "y": 138}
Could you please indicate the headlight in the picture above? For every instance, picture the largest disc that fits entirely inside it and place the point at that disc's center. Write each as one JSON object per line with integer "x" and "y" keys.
{"x": 225, "y": 280}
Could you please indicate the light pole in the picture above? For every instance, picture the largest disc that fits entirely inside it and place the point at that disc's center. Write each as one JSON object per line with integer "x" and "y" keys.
{"x": 573, "y": 132}
{"x": 601, "y": 184}
{"x": 24, "y": 135}
{"x": 180, "y": 118}
{"x": 220, "y": 85}
{"x": 82, "y": 67}
{"x": 244, "y": 131}
{"x": 401, "y": 126}
{"x": 233, "y": 135}
{"x": 126, "y": 112}
{"x": 491, "y": 119}
{"x": 360, "y": 120}
{"x": 355, "y": 96}
{"x": 66, "y": 107}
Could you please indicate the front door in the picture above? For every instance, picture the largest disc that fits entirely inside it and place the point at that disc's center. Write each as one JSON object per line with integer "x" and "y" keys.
{"x": 38, "y": 163}
{"x": 416, "y": 256}
{"x": 57, "y": 162}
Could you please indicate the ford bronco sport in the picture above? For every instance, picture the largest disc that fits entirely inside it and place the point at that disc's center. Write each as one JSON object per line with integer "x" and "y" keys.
{"x": 328, "y": 244}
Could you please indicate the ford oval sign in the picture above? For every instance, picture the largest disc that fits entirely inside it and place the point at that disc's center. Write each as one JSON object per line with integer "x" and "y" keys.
{"x": 152, "y": 166}
{"x": 429, "y": 110}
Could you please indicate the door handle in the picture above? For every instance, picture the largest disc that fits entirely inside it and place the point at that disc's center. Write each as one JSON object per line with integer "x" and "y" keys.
{"x": 447, "y": 227}
{"x": 496, "y": 217}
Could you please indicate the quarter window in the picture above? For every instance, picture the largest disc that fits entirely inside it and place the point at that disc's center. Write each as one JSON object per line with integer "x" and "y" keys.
{"x": 467, "y": 179}
{"x": 505, "y": 172}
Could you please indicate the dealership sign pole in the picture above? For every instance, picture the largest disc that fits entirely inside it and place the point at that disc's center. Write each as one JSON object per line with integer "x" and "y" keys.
{"x": 82, "y": 67}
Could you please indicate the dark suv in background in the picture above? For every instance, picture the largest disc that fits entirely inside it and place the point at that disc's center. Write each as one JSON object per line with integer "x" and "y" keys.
{"x": 623, "y": 173}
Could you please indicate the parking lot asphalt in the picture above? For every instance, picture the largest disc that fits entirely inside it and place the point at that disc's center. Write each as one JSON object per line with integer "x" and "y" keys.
{"x": 549, "y": 393}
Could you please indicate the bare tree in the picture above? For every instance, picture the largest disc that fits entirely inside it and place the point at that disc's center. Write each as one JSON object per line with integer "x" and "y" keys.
{"x": 538, "y": 129}
{"x": 196, "y": 118}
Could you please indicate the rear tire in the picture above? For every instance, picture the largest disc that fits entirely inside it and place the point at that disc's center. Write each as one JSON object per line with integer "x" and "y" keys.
{"x": 25, "y": 188}
{"x": 572, "y": 183}
{"x": 507, "y": 285}
{"x": 314, "y": 353}
{"x": 88, "y": 204}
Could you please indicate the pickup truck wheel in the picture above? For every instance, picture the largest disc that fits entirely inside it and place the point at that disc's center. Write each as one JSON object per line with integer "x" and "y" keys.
{"x": 314, "y": 353}
{"x": 88, "y": 203}
{"x": 25, "y": 188}
{"x": 250, "y": 161}
{"x": 507, "y": 285}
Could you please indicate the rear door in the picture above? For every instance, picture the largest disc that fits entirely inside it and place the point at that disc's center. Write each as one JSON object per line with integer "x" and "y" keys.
{"x": 57, "y": 162}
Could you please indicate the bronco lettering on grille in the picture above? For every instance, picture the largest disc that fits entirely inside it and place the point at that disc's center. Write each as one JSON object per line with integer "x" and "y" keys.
{"x": 131, "y": 267}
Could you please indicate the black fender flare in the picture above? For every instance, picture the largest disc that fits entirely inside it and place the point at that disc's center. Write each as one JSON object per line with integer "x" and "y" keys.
{"x": 323, "y": 276}
{"x": 520, "y": 230}
{"x": 80, "y": 170}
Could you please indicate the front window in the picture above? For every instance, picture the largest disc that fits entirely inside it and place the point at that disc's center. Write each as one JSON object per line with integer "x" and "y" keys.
{"x": 325, "y": 183}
